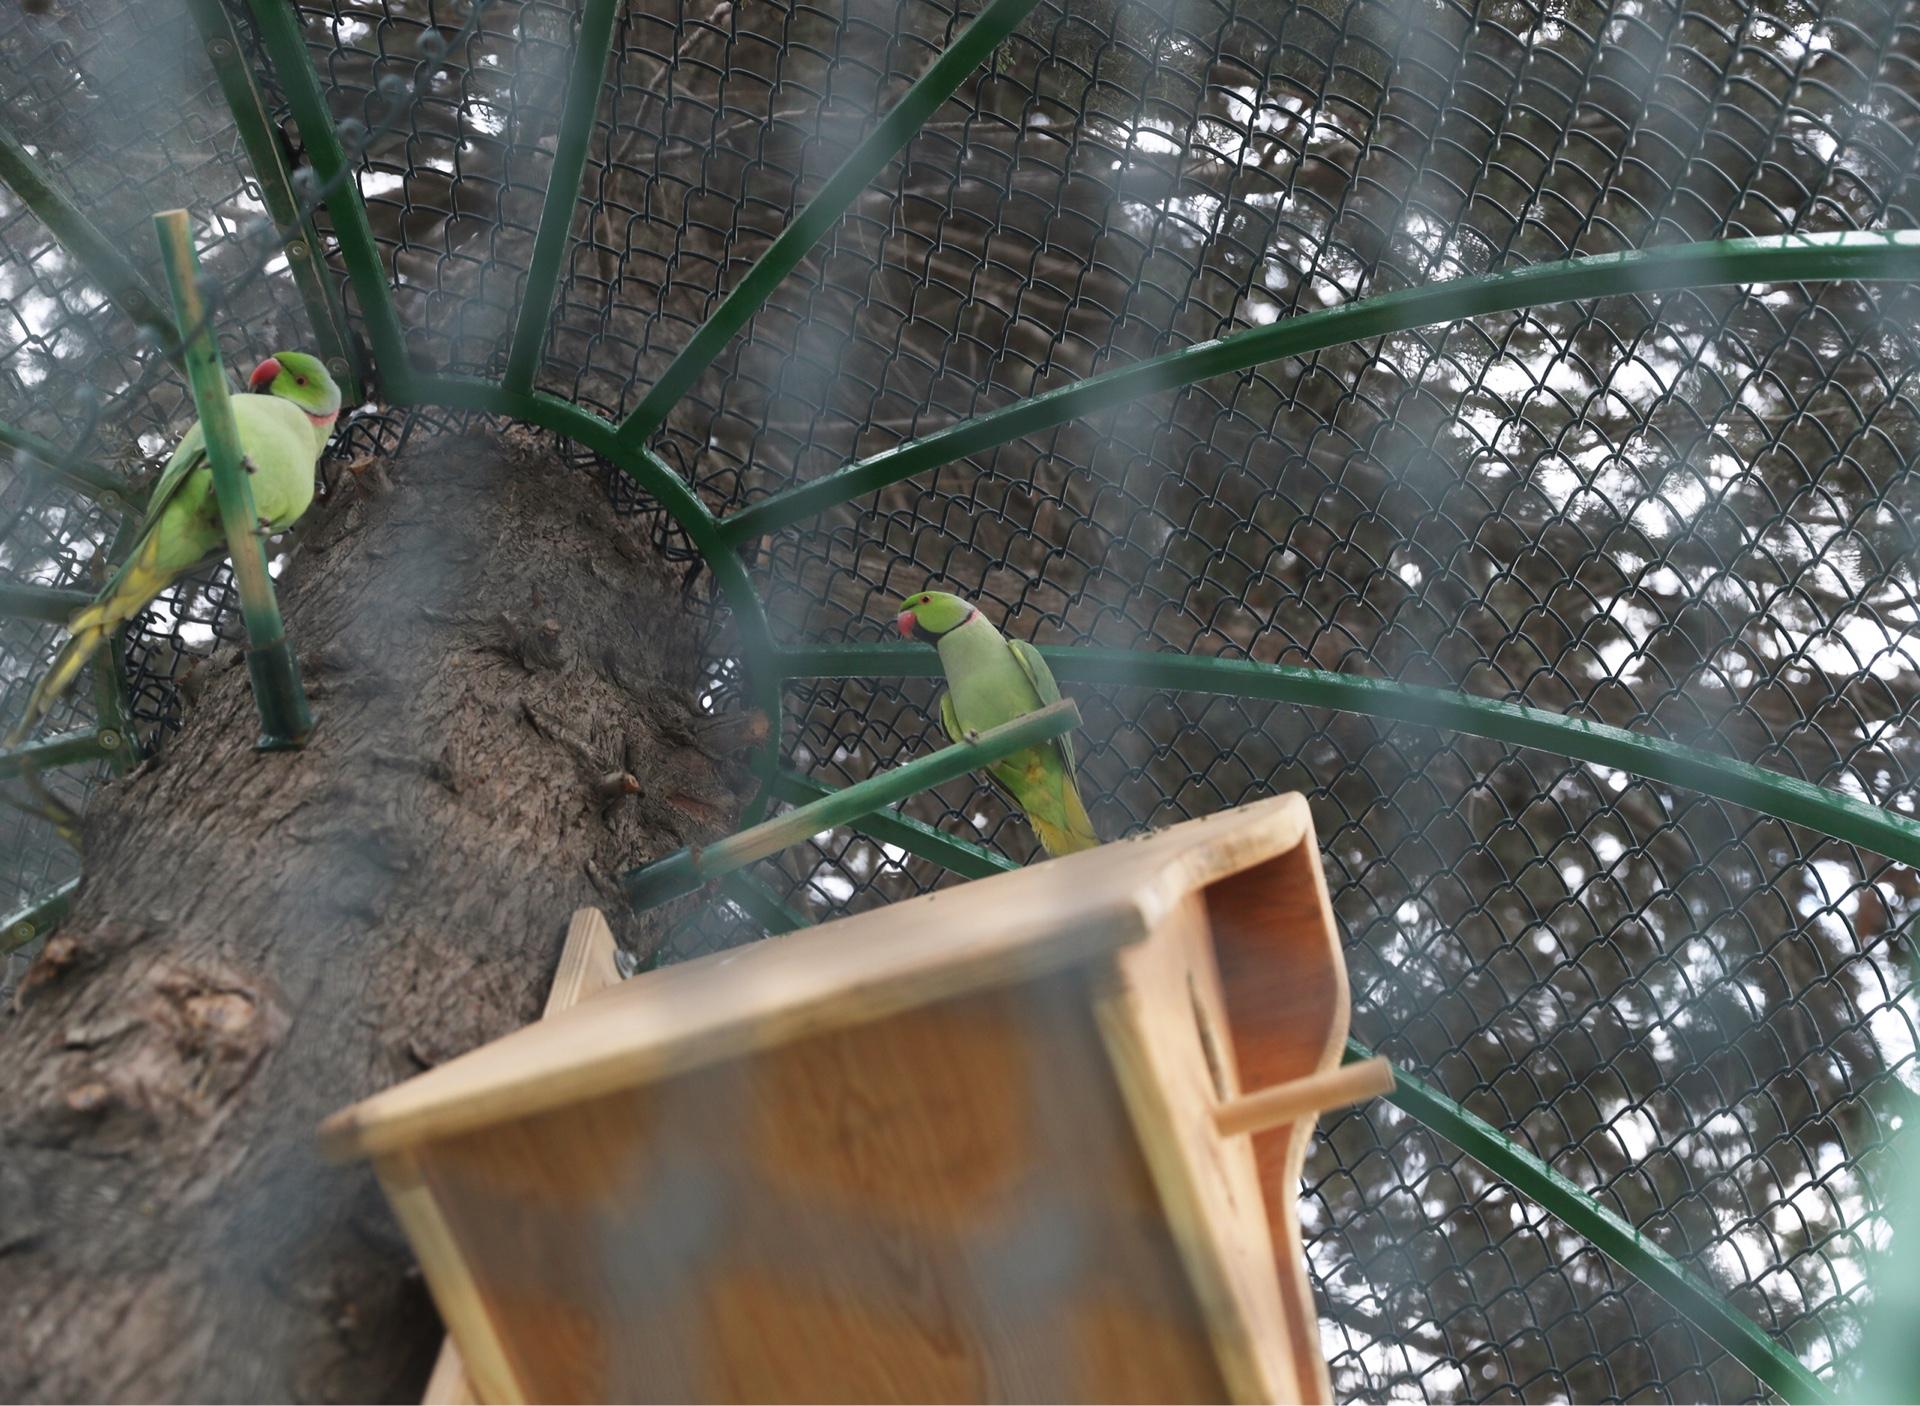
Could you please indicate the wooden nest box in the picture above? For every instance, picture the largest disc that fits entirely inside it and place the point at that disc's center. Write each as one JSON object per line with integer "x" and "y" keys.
{"x": 1037, "y": 1138}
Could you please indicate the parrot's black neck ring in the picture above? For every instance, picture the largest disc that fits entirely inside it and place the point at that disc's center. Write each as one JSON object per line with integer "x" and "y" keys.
{"x": 926, "y": 636}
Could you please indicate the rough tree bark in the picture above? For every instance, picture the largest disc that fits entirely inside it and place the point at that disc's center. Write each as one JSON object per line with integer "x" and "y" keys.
{"x": 264, "y": 938}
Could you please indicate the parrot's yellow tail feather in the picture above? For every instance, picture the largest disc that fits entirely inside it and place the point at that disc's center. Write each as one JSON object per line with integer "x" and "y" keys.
{"x": 91, "y": 626}
{"x": 1071, "y": 838}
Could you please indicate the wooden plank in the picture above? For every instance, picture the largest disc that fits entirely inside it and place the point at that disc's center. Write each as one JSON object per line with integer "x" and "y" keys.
{"x": 1304, "y": 1098}
{"x": 1285, "y": 985}
{"x": 588, "y": 963}
{"x": 947, "y": 1205}
{"x": 449, "y": 1278}
{"x": 1154, "y": 1002}
{"x": 1015, "y": 926}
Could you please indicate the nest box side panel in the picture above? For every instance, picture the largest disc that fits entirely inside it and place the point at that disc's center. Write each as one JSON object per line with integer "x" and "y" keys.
{"x": 1284, "y": 981}
{"x": 949, "y": 1204}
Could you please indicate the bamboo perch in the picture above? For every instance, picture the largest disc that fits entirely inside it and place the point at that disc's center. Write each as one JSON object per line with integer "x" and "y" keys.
{"x": 284, "y": 717}
{"x": 685, "y": 870}
{"x": 1303, "y": 1098}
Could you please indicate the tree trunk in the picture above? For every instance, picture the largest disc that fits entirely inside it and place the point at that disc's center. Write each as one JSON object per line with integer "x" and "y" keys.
{"x": 264, "y": 938}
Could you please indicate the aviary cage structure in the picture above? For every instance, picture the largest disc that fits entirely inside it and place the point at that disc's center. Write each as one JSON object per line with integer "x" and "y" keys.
{"x": 1493, "y": 420}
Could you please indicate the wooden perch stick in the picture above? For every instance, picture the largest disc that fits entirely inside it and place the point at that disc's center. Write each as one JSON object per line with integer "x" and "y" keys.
{"x": 1302, "y": 1098}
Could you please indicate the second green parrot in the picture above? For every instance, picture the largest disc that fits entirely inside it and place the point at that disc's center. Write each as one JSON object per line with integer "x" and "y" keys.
{"x": 993, "y": 680}
{"x": 283, "y": 427}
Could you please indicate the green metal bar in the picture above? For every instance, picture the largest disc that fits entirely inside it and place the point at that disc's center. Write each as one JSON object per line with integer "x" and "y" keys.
{"x": 278, "y": 25}
{"x": 105, "y": 487}
{"x": 300, "y": 240}
{"x": 1724, "y": 778}
{"x": 687, "y": 869}
{"x": 98, "y": 255}
{"x": 1793, "y": 258}
{"x": 285, "y": 719}
{"x": 1698, "y": 1302}
{"x": 823, "y": 212}
{"x": 563, "y": 191}
{"x": 671, "y": 491}
{"x": 890, "y": 827}
{"x": 40, "y": 603}
{"x": 64, "y": 750}
{"x": 37, "y": 919}
{"x": 762, "y": 904}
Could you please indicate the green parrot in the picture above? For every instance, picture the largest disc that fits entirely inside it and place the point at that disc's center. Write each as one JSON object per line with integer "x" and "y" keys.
{"x": 993, "y": 680}
{"x": 283, "y": 427}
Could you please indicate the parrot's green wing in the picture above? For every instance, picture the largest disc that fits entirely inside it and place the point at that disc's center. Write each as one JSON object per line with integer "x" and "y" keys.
{"x": 188, "y": 455}
{"x": 1041, "y": 677}
{"x": 957, "y": 734}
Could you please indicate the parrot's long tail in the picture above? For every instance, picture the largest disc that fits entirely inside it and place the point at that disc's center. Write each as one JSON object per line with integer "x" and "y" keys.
{"x": 1077, "y": 834}
{"x": 91, "y": 627}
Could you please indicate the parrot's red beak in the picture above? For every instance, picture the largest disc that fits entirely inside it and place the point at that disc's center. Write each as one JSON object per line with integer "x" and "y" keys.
{"x": 264, "y": 375}
{"x": 905, "y": 623}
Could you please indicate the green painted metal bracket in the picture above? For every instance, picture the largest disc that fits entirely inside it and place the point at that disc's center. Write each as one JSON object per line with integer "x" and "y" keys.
{"x": 563, "y": 191}
{"x": 40, "y": 603}
{"x": 823, "y": 212}
{"x": 278, "y": 25}
{"x": 285, "y": 719}
{"x": 1698, "y": 1302}
{"x": 98, "y": 255}
{"x": 1723, "y": 778}
{"x": 272, "y": 169}
{"x": 762, "y": 904}
{"x": 1794, "y": 258}
{"x": 89, "y": 745}
{"x": 32, "y": 453}
{"x": 686, "y": 870}
{"x": 37, "y": 919}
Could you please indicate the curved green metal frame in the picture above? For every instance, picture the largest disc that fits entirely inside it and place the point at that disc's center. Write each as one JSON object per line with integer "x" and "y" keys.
{"x": 1788, "y": 259}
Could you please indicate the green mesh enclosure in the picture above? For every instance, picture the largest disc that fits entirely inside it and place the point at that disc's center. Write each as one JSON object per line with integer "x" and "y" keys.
{"x": 1681, "y": 513}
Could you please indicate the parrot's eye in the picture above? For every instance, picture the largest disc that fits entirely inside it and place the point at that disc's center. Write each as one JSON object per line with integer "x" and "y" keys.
{"x": 299, "y": 380}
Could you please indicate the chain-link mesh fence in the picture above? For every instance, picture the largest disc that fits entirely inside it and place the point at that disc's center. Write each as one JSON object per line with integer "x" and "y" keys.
{"x": 1685, "y": 514}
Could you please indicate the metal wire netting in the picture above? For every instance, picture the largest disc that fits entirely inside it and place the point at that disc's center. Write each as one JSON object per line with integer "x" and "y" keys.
{"x": 1686, "y": 514}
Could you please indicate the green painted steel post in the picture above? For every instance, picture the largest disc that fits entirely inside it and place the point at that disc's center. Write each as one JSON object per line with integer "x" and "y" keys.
{"x": 762, "y": 904}
{"x": 1699, "y": 1303}
{"x": 37, "y": 919}
{"x": 1792, "y": 258}
{"x": 823, "y": 212}
{"x": 563, "y": 191}
{"x": 40, "y": 603}
{"x": 285, "y": 719}
{"x": 64, "y": 749}
{"x": 686, "y": 870}
{"x": 268, "y": 156}
{"x": 278, "y": 25}
{"x": 102, "y": 259}
{"x": 1724, "y": 778}
{"x": 105, "y": 487}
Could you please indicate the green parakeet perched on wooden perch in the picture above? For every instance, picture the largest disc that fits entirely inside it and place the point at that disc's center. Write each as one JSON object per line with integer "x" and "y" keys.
{"x": 993, "y": 680}
{"x": 283, "y": 427}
